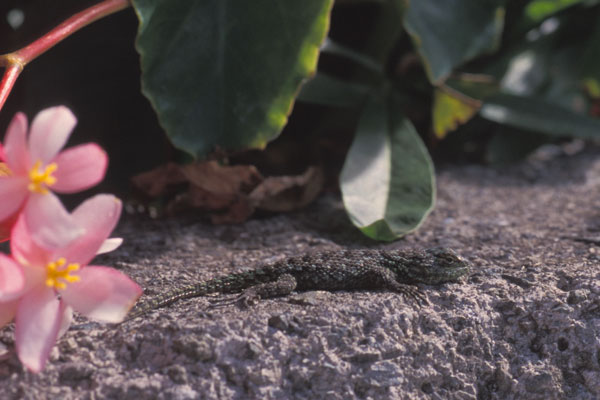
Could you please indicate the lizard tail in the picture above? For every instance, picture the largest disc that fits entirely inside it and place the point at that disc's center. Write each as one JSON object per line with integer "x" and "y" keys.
{"x": 165, "y": 299}
{"x": 233, "y": 283}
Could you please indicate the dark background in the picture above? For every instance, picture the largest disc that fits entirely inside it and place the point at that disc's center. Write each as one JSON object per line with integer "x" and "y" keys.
{"x": 96, "y": 73}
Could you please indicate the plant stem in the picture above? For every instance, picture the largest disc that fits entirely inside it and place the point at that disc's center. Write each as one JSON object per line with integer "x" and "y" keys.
{"x": 8, "y": 81}
{"x": 16, "y": 61}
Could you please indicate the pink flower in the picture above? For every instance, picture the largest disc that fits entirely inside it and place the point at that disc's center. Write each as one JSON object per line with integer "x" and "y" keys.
{"x": 7, "y": 224}
{"x": 34, "y": 166}
{"x": 12, "y": 281}
{"x": 58, "y": 280}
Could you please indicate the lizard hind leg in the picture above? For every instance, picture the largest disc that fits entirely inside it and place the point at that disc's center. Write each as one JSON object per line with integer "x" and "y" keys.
{"x": 284, "y": 285}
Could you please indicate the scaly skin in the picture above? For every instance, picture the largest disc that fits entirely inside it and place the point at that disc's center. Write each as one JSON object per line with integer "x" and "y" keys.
{"x": 395, "y": 270}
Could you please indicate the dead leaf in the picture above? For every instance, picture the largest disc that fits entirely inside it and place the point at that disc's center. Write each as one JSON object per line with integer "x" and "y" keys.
{"x": 230, "y": 193}
{"x": 287, "y": 193}
{"x": 213, "y": 177}
{"x": 159, "y": 181}
{"x": 237, "y": 212}
{"x": 215, "y": 187}
{"x": 449, "y": 112}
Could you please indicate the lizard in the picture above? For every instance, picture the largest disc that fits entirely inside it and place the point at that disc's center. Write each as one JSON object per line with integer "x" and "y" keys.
{"x": 395, "y": 270}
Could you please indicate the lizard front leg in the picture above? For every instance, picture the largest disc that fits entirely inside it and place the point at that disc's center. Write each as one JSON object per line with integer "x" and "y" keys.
{"x": 387, "y": 280}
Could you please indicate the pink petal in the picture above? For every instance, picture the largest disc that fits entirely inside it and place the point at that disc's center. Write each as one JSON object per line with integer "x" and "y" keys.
{"x": 38, "y": 320}
{"x": 13, "y": 191}
{"x": 50, "y": 130}
{"x": 98, "y": 217}
{"x": 23, "y": 249}
{"x": 6, "y": 226}
{"x": 15, "y": 145}
{"x": 109, "y": 245}
{"x": 103, "y": 294}
{"x": 7, "y": 312}
{"x": 49, "y": 223}
{"x": 12, "y": 279}
{"x": 65, "y": 323}
{"x": 79, "y": 168}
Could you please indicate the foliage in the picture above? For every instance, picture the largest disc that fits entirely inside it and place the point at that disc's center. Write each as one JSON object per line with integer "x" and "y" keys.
{"x": 224, "y": 76}
{"x": 214, "y": 73}
{"x": 518, "y": 67}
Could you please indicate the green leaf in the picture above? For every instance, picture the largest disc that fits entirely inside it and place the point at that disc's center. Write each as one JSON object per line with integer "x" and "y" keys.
{"x": 538, "y": 10}
{"x": 388, "y": 183}
{"x": 592, "y": 86}
{"x": 450, "y": 32}
{"x": 545, "y": 65}
{"x": 509, "y": 145}
{"x": 474, "y": 86}
{"x": 224, "y": 73}
{"x": 590, "y": 64}
{"x": 537, "y": 115}
{"x": 331, "y": 47}
{"x": 329, "y": 91}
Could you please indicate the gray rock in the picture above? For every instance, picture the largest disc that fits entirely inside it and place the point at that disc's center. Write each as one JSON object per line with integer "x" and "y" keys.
{"x": 525, "y": 325}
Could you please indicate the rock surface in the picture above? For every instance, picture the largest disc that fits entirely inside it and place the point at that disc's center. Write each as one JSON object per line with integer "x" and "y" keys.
{"x": 524, "y": 325}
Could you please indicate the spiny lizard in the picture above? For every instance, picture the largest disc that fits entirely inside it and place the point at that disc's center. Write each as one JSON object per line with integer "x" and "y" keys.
{"x": 396, "y": 270}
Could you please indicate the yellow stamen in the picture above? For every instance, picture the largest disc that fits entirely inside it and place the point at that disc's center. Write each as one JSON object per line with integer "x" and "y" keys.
{"x": 4, "y": 170}
{"x": 41, "y": 180}
{"x": 58, "y": 277}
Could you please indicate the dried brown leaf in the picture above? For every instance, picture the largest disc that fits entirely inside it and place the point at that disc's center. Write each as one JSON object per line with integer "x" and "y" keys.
{"x": 287, "y": 193}
{"x": 159, "y": 181}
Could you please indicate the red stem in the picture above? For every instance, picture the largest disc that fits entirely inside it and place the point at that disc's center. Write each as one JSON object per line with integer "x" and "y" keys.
{"x": 69, "y": 26}
{"x": 16, "y": 61}
{"x": 8, "y": 81}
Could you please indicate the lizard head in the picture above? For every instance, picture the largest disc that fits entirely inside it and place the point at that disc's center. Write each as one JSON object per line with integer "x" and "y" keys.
{"x": 432, "y": 266}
